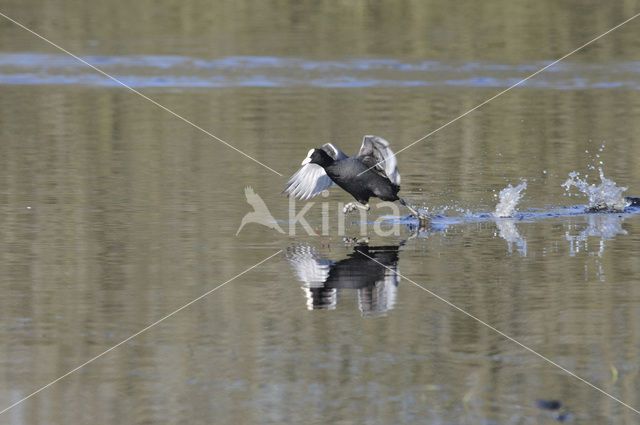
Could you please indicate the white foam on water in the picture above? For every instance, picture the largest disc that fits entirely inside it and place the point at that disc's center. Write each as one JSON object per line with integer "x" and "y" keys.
{"x": 509, "y": 198}
{"x": 606, "y": 196}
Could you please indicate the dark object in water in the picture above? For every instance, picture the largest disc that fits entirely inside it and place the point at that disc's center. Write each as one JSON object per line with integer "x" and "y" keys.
{"x": 634, "y": 202}
{"x": 372, "y": 173}
{"x": 563, "y": 417}
{"x": 603, "y": 207}
{"x": 548, "y": 404}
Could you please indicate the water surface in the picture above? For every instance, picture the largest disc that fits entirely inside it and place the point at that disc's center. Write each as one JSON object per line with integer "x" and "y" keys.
{"x": 113, "y": 214}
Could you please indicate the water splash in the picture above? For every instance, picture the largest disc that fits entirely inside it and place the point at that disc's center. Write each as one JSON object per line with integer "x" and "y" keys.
{"x": 509, "y": 198}
{"x": 606, "y": 196}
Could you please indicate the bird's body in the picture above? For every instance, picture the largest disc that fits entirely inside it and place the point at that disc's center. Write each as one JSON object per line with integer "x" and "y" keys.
{"x": 346, "y": 174}
{"x": 373, "y": 172}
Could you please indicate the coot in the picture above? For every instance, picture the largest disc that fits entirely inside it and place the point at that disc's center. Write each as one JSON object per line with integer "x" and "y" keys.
{"x": 373, "y": 172}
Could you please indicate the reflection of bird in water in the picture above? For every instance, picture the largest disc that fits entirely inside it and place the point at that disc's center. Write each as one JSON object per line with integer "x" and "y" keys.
{"x": 376, "y": 285}
{"x": 260, "y": 215}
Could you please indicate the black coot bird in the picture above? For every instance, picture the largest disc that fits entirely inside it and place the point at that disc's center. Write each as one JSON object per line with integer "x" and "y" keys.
{"x": 373, "y": 172}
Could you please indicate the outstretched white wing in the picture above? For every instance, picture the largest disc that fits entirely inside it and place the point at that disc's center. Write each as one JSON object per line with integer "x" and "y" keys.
{"x": 311, "y": 179}
{"x": 375, "y": 153}
{"x": 308, "y": 181}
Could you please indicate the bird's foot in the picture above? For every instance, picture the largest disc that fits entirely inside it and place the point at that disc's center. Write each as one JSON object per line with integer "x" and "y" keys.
{"x": 352, "y": 206}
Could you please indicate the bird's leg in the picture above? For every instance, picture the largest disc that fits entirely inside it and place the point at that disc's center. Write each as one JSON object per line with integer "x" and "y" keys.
{"x": 424, "y": 219}
{"x": 409, "y": 207}
{"x": 351, "y": 206}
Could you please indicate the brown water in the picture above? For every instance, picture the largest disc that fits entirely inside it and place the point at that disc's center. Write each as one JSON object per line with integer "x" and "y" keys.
{"x": 114, "y": 213}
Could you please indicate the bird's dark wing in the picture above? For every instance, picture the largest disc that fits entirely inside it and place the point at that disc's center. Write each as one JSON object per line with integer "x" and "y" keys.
{"x": 311, "y": 179}
{"x": 375, "y": 153}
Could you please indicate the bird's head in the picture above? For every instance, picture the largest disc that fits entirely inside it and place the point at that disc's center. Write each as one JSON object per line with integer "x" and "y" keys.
{"x": 318, "y": 156}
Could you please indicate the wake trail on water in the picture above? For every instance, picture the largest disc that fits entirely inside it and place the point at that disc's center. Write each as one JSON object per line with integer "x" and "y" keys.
{"x": 605, "y": 197}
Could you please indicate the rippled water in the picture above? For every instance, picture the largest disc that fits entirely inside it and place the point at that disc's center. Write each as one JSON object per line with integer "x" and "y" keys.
{"x": 114, "y": 213}
{"x": 266, "y": 71}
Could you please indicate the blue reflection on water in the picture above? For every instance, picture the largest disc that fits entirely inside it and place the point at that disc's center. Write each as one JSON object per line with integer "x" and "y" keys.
{"x": 267, "y": 71}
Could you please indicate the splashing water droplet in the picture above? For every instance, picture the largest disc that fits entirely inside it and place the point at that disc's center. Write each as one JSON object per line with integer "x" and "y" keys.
{"x": 509, "y": 198}
{"x": 606, "y": 196}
